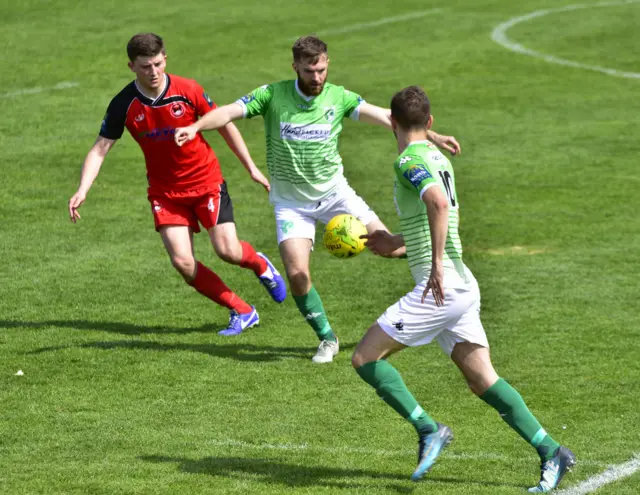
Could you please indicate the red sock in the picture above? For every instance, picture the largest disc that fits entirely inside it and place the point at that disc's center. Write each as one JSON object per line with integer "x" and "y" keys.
{"x": 210, "y": 285}
{"x": 251, "y": 260}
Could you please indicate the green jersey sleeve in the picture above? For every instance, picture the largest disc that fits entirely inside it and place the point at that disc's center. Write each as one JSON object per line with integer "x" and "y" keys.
{"x": 257, "y": 102}
{"x": 351, "y": 102}
{"x": 413, "y": 173}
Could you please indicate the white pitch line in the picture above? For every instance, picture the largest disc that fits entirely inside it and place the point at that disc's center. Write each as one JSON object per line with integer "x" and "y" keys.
{"x": 380, "y": 22}
{"x": 381, "y": 452}
{"x": 499, "y": 35}
{"x": 614, "y": 473}
{"x": 32, "y": 91}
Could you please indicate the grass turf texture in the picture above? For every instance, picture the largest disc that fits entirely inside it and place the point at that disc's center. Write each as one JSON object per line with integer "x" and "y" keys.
{"x": 128, "y": 389}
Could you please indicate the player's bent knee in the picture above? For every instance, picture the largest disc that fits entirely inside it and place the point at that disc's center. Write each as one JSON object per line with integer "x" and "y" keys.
{"x": 357, "y": 359}
{"x": 185, "y": 265}
{"x": 479, "y": 384}
{"x": 299, "y": 280}
{"x": 229, "y": 255}
{"x": 229, "y": 251}
{"x": 360, "y": 357}
{"x": 474, "y": 387}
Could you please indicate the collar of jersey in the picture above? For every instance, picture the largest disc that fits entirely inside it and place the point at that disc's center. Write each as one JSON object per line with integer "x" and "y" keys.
{"x": 302, "y": 95}
{"x": 422, "y": 141}
{"x": 150, "y": 101}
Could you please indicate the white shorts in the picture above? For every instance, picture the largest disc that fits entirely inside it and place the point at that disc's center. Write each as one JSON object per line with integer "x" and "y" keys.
{"x": 300, "y": 221}
{"x": 413, "y": 323}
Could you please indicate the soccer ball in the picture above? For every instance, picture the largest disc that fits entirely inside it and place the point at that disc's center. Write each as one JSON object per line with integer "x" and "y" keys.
{"x": 342, "y": 236}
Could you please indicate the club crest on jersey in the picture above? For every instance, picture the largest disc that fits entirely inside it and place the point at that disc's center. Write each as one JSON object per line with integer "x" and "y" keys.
{"x": 177, "y": 110}
{"x": 329, "y": 113}
{"x": 139, "y": 118}
{"x": 416, "y": 174}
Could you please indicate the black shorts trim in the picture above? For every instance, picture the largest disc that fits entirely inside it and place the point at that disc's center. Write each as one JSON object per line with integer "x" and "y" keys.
{"x": 225, "y": 210}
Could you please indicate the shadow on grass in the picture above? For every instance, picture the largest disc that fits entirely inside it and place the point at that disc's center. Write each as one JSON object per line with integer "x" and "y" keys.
{"x": 272, "y": 471}
{"x": 112, "y": 327}
{"x": 239, "y": 352}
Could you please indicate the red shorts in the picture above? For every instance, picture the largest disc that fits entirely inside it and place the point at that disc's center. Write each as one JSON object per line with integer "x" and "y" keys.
{"x": 210, "y": 208}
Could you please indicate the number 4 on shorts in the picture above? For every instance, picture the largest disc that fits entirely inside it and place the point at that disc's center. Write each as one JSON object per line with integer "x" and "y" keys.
{"x": 211, "y": 205}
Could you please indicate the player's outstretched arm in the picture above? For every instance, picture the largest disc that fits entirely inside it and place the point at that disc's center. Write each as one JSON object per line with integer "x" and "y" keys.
{"x": 448, "y": 143}
{"x": 215, "y": 119}
{"x": 234, "y": 140}
{"x": 90, "y": 170}
{"x": 438, "y": 214}
{"x": 372, "y": 114}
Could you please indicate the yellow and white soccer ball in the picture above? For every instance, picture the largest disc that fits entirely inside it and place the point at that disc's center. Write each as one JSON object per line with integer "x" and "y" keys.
{"x": 342, "y": 236}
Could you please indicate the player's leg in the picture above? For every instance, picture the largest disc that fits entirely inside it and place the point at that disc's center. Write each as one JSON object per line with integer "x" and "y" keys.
{"x": 296, "y": 228}
{"x": 176, "y": 222}
{"x": 370, "y": 362}
{"x": 407, "y": 322}
{"x": 475, "y": 363}
{"x": 232, "y": 250}
{"x": 178, "y": 241}
{"x": 295, "y": 254}
{"x": 470, "y": 352}
{"x": 215, "y": 212}
{"x": 228, "y": 247}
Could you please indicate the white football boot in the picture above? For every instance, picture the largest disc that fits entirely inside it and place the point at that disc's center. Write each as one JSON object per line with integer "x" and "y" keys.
{"x": 326, "y": 350}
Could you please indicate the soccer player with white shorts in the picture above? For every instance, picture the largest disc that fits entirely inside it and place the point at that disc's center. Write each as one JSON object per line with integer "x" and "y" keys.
{"x": 303, "y": 121}
{"x": 445, "y": 303}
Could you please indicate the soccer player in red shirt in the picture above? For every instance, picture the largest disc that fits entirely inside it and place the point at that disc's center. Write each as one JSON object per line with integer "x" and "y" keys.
{"x": 185, "y": 183}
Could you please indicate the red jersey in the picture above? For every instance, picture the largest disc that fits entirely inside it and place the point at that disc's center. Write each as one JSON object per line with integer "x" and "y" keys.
{"x": 152, "y": 124}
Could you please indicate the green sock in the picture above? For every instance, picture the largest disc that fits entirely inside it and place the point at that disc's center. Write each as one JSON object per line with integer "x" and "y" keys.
{"x": 507, "y": 401}
{"x": 390, "y": 386}
{"x": 310, "y": 306}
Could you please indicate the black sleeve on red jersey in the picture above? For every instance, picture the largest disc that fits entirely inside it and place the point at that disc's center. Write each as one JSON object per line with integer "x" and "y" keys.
{"x": 202, "y": 102}
{"x": 116, "y": 116}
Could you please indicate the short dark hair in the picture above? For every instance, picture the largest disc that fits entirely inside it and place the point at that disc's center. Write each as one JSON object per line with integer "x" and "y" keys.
{"x": 411, "y": 108}
{"x": 144, "y": 45}
{"x": 308, "y": 48}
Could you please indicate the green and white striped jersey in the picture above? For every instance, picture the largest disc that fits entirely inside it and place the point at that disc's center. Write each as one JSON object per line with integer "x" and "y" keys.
{"x": 302, "y": 137}
{"x": 421, "y": 166}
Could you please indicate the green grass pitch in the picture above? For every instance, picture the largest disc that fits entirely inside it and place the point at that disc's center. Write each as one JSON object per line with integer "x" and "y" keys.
{"x": 128, "y": 389}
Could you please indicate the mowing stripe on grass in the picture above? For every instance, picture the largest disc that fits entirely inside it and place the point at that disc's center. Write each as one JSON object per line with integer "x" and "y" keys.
{"x": 614, "y": 473}
{"x": 481, "y": 456}
{"x": 380, "y": 22}
{"x": 499, "y": 35}
{"x": 32, "y": 91}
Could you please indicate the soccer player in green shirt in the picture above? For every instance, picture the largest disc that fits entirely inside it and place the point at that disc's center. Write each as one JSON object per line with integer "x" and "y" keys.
{"x": 445, "y": 302}
{"x": 303, "y": 121}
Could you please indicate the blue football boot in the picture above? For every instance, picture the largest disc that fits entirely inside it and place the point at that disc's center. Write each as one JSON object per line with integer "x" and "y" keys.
{"x": 238, "y": 323}
{"x": 553, "y": 470}
{"x": 273, "y": 281}
{"x": 429, "y": 448}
